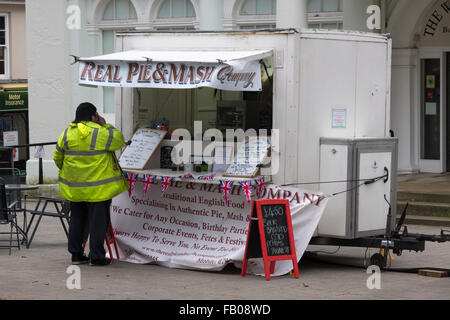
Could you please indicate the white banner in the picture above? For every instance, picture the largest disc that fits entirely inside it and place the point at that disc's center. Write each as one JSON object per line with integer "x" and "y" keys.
{"x": 191, "y": 227}
{"x": 236, "y": 75}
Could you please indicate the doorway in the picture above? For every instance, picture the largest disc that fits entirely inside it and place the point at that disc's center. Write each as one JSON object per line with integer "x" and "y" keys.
{"x": 431, "y": 114}
{"x": 435, "y": 114}
{"x": 431, "y": 110}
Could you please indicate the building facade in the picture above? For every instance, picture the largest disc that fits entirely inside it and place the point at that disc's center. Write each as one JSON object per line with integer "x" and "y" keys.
{"x": 419, "y": 28}
{"x": 13, "y": 80}
{"x": 420, "y": 112}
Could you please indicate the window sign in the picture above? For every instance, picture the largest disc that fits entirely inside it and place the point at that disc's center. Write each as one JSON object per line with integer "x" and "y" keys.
{"x": 11, "y": 138}
{"x": 14, "y": 100}
{"x": 430, "y": 109}
{"x": 339, "y": 119}
{"x": 431, "y": 82}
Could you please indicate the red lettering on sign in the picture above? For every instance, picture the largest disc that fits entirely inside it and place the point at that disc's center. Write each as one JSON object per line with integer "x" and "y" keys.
{"x": 108, "y": 73}
{"x": 208, "y": 73}
{"x": 133, "y": 69}
{"x": 200, "y": 72}
{"x": 147, "y": 76}
{"x": 88, "y": 67}
{"x": 158, "y": 75}
{"x": 175, "y": 76}
{"x": 98, "y": 74}
{"x": 190, "y": 75}
{"x": 116, "y": 73}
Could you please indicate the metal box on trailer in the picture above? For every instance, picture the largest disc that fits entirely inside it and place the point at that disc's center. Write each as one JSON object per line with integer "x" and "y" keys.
{"x": 361, "y": 208}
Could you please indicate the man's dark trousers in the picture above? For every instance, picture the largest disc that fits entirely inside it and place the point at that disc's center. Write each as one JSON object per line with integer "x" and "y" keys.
{"x": 97, "y": 216}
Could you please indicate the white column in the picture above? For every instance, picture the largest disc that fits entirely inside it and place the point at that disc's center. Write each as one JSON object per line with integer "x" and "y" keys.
{"x": 355, "y": 14}
{"x": 404, "y": 111}
{"x": 211, "y": 15}
{"x": 292, "y": 14}
{"x": 48, "y": 79}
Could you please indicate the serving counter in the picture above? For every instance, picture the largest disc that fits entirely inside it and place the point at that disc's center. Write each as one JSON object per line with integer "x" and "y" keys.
{"x": 190, "y": 225}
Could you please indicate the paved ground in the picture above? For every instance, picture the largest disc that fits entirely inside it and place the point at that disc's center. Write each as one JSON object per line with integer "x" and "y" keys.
{"x": 40, "y": 273}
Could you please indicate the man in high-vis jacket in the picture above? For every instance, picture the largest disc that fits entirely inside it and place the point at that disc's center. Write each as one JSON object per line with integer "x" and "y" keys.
{"x": 89, "y": 177}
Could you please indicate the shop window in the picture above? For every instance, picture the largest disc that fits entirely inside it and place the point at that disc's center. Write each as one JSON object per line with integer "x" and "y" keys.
{"x": 175, "y": 15}
{"x": 4, "y": 46}
{"x": 255, "y": 7}
{"x": 431, "y": 109}
{"x": 176, "y": 9}
{"x": 115, "y": 10}
{"x": 251, "y": 12}
{"x": 325, "y": 5}
{"x": 6, "y": 124}
{"x": 120, "y": 10}
{"x": 325, "y": 14}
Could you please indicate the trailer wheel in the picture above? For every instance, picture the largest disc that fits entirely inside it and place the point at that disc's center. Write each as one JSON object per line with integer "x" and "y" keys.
{"x": 378, "y": 260}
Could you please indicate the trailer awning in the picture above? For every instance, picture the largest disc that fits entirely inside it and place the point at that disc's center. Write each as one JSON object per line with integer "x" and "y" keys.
{"x": 225, "y": 70}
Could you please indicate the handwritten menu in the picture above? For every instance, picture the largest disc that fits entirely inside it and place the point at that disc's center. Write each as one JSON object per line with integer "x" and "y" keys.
{"x": 250, "y": 154}
{"x": 276, "y": 230}
{"x": 141, "y": 149}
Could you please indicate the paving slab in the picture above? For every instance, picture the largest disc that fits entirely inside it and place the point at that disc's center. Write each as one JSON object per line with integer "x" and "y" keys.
{"x": 41, "y": 273}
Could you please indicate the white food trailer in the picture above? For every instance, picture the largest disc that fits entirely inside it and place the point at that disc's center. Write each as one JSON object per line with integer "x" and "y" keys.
{"x": 326, "y": 92}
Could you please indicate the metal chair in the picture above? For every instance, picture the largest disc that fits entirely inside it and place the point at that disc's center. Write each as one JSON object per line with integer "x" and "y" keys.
{"x": 11, "y": 177}
{"x": 8, "y": 216}
{"x": 62, "y": 208}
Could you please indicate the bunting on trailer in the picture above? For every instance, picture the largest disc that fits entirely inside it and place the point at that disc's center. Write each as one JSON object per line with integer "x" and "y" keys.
{"x": 147, "y": 181}
{"x": 247, "y": 187}
{"x": 165, "y": 183}
{"x": 260, "y": 185}
{"x": 131, "y": 179}
{"x": 225, "y": 188}
{"x": 209, "y": 178}
{"x": 187, "y": 176}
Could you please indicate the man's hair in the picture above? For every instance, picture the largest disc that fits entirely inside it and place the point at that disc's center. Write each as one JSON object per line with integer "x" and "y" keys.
{"x": 84, "y": 112}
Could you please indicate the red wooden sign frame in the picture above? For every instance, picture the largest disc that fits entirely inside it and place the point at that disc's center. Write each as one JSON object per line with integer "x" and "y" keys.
{"x": 266, "y": 258}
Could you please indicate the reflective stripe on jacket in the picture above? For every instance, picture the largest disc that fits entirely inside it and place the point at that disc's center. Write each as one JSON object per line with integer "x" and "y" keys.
{"x": 89, "y": 171}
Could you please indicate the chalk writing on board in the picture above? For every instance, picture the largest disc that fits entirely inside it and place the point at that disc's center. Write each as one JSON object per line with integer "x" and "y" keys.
{"x": 250, "y": 154}
{"x": 276, "y": 230}
{"x": 143, "y": 145}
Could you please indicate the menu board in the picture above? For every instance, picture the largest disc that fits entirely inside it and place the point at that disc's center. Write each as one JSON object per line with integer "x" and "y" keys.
{"x": 142, "y": 147}
{"x": 270, "y": 235}
{"x": 250, "y": 154}
{"x": 276, "y": 230}
{"x": 274, "y": 217}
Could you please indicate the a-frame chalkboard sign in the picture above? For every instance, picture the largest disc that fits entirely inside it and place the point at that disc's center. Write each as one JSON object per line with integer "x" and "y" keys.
{"x": 270, "y": 235}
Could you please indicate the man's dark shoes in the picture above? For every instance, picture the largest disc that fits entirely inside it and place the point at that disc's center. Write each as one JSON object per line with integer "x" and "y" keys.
{"x": 100, "y": 262}
{"x": 79, "y": 259}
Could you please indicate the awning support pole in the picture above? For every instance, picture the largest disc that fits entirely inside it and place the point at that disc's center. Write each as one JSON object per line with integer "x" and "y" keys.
{"x": 267, "y": 72}
{"x": 75, "y": 59}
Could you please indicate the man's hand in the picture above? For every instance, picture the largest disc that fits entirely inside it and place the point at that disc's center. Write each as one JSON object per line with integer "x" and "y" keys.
{"x": 101, "y": 121}
{"x": 98, "y": 119}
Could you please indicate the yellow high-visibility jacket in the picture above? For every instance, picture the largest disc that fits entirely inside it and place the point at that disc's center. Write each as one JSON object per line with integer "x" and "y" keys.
{"x": 88, "y": 168}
